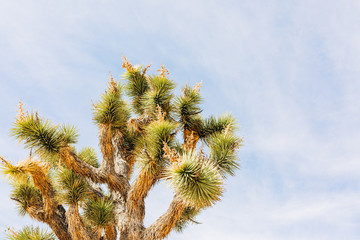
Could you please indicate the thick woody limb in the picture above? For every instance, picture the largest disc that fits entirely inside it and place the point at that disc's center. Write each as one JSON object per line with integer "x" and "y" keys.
{"x": 77, "y": 228}
{"x": 57, "y": 223}
{"x": 115, "y": 181}
{"x": 161, "y": 228}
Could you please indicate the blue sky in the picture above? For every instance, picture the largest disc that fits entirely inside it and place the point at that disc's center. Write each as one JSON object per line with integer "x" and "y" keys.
{"x": 288, "y": 70}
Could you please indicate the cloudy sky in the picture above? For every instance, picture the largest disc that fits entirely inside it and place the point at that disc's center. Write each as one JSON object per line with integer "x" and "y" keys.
{"x": 288, "y": 70}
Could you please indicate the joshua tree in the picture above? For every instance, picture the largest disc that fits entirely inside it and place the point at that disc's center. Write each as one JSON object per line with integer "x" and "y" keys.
{"x": 156, "y": 133}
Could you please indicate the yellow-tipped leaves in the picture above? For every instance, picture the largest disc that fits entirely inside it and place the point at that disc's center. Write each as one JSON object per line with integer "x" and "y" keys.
{"x": 26, "y": 195}
{"x": 13, "y": 172}
{"x": 111, "y": 109}
{"x": 196, "y": 181}
{"x": 88, "y": 155}
{"x": 22, "y": 170}
{"x": 223, "y": 148}
{"x": 41, "y": 135}
{"x": 30, "y": 233}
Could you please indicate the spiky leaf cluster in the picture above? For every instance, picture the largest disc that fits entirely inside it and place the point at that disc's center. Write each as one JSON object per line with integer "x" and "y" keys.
{"x": 99, "y": 212}
{"x": 136, "y": 86}
{"x": 157, "y": 133}
{"x": 223, "y": 152}
{"x": 26, "y": 195}
{"x": 88, "y": 155}
{"x": 14, "y": 172}
{"x": 111, "y": 109}
{"x": 73, "y": 188}
{"x": 197, "y": 182}
{"x": 30, "y": 233}
{"x": 159, "y": 94}
{"x": 41, "y": 135}
{"x": 187, "y": 107}
{"x": 212, "y": 125}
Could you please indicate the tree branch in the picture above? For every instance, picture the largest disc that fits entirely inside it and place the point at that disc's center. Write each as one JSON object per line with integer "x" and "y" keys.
{"x": 58, "y": 222}
{"x": 115, "y": 181}
{"x": 137, "y": 194}
{"x": 77, "y": 228}
{"x": 161, "y": 228}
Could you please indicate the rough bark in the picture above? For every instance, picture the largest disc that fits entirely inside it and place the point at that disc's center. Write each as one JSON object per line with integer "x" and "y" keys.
{"x": 115, "y": 182}
{"x": 58, "y": 221}
{"x": 59, "y": 225}
{"x": 135, "y": 204}
{"x": 164, "y": 224}
{"x": 41, "y": 180}
{"x": 77, "y": 228}
{"x": 110, "y": 233}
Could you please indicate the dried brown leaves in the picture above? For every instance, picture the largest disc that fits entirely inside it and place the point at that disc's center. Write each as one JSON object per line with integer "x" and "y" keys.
{"x": 160, "y": 114}
{"x": 171, "y": 154}
{"x": 21, "y": 112}
{"x": 128, "y": 66}
{"x": 163, "y": 71}
{"x": 112, "y": 86}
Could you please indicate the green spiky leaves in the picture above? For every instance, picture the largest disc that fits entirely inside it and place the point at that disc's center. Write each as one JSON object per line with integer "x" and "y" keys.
{"x": 88, "y": 155}
{"x": 30, "y": 233}
{"x": 100, "y": 212}
{"x": 223, "y": 148}
{"x": 73, "y": 188}
{"x": 212, "y": 125}
{"x": 159, "y": 94}
{"x": 13, "y": 172}
{"x": 26, "y": 195}
{"x": 157, "y": 133}
{"x": 41, "y": 135}
{"x": 111, "y": 109}
{"x": 136, "y": 86}
{"x": 196, "y": 181}
{"x": 187, "y": 106}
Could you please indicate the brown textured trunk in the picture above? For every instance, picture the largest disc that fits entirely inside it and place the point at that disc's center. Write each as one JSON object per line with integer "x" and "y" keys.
{"x": 77, "y": 228}
{"x": 104, "y": 174}
{"x": 110, "y": 233}
{"x": 58, "y": 222}
{"x": 136, "y": 204}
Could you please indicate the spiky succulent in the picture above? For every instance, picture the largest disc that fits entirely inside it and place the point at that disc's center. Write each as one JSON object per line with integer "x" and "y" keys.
{"x": 73, "y": 188}
{"x": 100, "y": 212}
{"x": 81, "y": 196}
{"x": 30, "y": 233}
{"x": 197, "y": 181}
{"x": 159, "y": 94}
{"x": 111, "y": 109}
{"x": 26, "y": 196}
{"x": 41, "y": 135}
{"x": 137, "y": 85}
{"x": 188, "y": 107}
{"x": 88, "y": 155}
